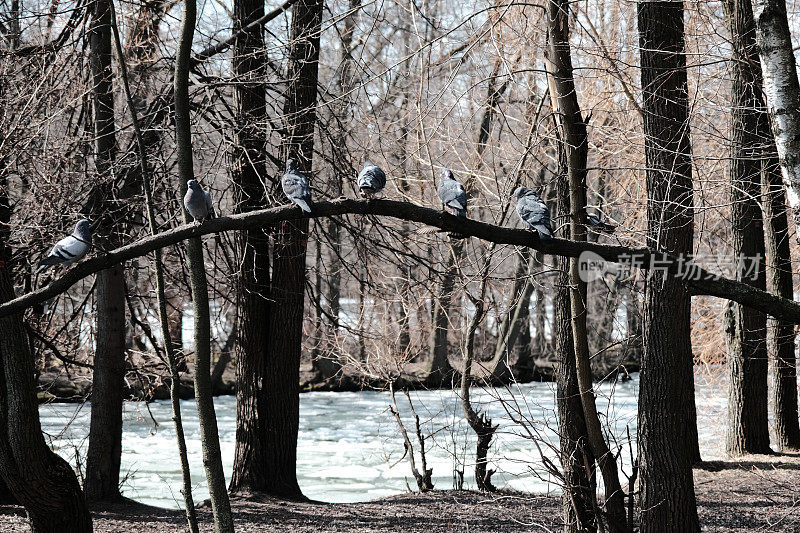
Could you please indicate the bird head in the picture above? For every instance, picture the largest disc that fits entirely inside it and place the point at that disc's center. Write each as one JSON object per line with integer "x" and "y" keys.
{"x": 291, "y": 165}
{"x": 368, "y": 164}
{"x": 519, "y": 192}
{"x": 84, "y": 229}
{"x": 446, "y": 174}
{"x": 192, "y": 184}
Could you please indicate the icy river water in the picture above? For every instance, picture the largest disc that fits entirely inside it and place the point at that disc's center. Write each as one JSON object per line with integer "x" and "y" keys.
{"x": 349, "y": 447}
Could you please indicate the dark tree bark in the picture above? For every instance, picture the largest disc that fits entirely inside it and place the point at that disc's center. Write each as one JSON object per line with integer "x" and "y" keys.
{"x": 209, "y": 434}
{"x": 105, "y": 433}
{"x": 575, "y": 452}
{"x": 747, "y": 428}
{"x": 780, "y": 333}
{"x": 574, "y": 145}
{"x": 515, "y": 333}
{"x": 439, "y": 370}
{"x": 480, "y": 422}
{"x": 285, "y": 328}
{"x": 39, "y": 479}
{"x": 667, "y": 428}
{"x": 158, "y": 264}
{"x": 249, "y": 171}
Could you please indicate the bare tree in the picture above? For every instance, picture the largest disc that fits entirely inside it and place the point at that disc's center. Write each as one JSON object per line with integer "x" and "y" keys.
{"x": 748, "y": 425}
{"x": 209, "y": 434}
{"x": 667, "y": 430}
{"x": 105, "y": 434}
{"x": 575, "y": 146}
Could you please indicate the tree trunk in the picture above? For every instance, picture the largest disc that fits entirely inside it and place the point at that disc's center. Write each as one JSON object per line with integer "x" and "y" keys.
{"x": 209, "y": 434}
{"x": 327, "y": 362}
{"x": 249, "y": 170}
{"x": 747, "y": 428}
{"x": 516, "y": 325}
{"x": 38, "y": 478}
{"x": 439, "y": 370}
{"x": 782, "y": 91}
{"x": 480, "y": 423}
{"x": 105, "y": 433}
{"x": 575, "y": 148}
{"x": 633, "y": 323}
{"x": 285, "y": 328}
{"x": 161, "y": 297}
{"x": 575, "y": 452}
{"x": 780, "y": 333}
{"x": 667, "y": 433}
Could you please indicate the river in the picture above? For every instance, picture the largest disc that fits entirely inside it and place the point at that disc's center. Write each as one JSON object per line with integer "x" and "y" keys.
{"x": 349, "y": 447}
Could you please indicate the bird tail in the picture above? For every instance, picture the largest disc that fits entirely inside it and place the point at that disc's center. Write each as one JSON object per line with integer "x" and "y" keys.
{"x": 305, "y": 204}
{"x": 545, "y": 235}
{"x": 607, "y": 228}
{"x": 460, "y": 213}
{"x": 47, "y": 262}
{"x": 457, "y": 236}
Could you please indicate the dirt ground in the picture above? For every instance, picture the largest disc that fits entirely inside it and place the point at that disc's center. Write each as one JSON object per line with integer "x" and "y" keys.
{"x": 756, "y": 494}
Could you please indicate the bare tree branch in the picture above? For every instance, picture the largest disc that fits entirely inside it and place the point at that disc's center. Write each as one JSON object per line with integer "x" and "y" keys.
{"x": 702, "y": 282}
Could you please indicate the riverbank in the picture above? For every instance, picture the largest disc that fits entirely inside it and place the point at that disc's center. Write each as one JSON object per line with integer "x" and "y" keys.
{"x": 756, "y": 493}
{"x": 74, "y": 384}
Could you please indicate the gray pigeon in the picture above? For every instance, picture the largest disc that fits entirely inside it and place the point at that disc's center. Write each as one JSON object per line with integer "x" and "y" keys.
{"x": 198, "y": 202}
{"x": 594, "y": 221}
{"x": 371, "y": 180}
{"x": 295, "y": 186}
{"x": 452, "y": 194}
{"x": 534, "y": 212}
{"x": 69, "y": 249}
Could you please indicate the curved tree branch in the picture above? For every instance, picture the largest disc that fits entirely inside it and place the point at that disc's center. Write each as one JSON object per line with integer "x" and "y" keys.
{"x": 705, "y": 283}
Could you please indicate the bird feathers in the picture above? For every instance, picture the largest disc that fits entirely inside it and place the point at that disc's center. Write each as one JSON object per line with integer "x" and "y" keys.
{"x": 295, "y": 187}
{"x": 198, "y": 202}
{"x": 70, "y": 249}
{"x": 371, "y": 180}
{"x": 534, "y": 212}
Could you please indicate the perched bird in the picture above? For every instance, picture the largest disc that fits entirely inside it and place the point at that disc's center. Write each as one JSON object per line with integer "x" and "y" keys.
{"x": 69, "y": 249}
{"x": 594, "y": 221}
{"x": 452, "y": 194}
{"x": 534, "y": 212}
{"x": 295, "y": 186}
{"x": 198, "y": 202}
{"x": 453, "y": 197}
{"x": 371, "y": 180}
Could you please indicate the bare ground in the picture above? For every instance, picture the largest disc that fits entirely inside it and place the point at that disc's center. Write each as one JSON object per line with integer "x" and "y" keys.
{"x": 758, "y": 493}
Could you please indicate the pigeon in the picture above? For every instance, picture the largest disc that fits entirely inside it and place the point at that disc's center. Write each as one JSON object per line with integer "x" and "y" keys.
{"x": 295, "y": 186}
{"x": 69, "y": 249}
{"x": 371, "y": 180}
{"x": 198, "y": 202}
{"x": 594, "y": 221}
{"x": 452, "y": 194}
{"x": 534, "y": 212}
